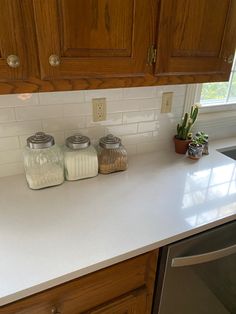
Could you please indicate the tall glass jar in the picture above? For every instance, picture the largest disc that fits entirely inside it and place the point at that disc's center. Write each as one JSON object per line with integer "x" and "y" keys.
{"x": 112, "y": 155}
{"x": 43, "y": 161}
{"x": 80, "y": 158}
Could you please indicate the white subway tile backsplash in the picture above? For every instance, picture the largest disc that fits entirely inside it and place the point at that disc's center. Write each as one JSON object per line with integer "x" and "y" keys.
{"x": 66, "y": 123}
{"x": 9, "y": 143}
{"x": 18, "y": 100}
{"x": 11, "y": 169}
{"x": 141, "y": 104}
{"x": 122, "y": 106}
{"x": 7, "y": 114}
{"x": 77, "y": 109}
{"x": 95, "y": 133}
{"x": 11, "y": 156}
{"x": 38, "y": 112}
{"x": 132, "y": 117}
{"x": 70, "y": 123}
{"x": 112, "y": 119}
{"x": 19, "y": 128}
{"x": 122, "y": 129}
{"x": 52, "y": 125}
{"x": 152, "y": 103}
{"x": 61, "y": 97}
{"x": 148, "y": 126}
{"x": 137, "y": 138}
{"x": 131, "y": 149}
{"x": 109, "y": 94}
{"x": 140, "y": 92}
{"x": 132, "y": 114}
{"x": 59, "y": 137}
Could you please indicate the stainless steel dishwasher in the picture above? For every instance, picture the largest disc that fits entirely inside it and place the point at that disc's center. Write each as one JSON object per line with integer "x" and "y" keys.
{"x": 198, "y": 275}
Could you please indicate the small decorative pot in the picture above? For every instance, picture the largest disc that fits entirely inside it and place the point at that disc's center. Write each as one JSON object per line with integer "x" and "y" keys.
{"x": 203, "y": 139}
{"x": 205, "y": 149}
{"x": 195, "y": 151}
{"x": 181, "y": 146}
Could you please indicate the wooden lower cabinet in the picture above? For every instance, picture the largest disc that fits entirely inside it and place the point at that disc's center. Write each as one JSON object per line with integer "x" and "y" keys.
{"x": 124, "y": 288}
{"x": 133, "y": 302}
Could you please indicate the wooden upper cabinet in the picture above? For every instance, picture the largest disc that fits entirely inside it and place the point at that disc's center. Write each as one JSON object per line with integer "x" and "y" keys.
{"x": 196, "y": 37}
{"x": 90, "y": 44}
{"x": 13, "y": 65}
{"x": 92, "y": 38}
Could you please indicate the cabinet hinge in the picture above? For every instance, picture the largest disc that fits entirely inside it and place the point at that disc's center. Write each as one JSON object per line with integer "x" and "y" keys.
{"x": 152, "y": 54}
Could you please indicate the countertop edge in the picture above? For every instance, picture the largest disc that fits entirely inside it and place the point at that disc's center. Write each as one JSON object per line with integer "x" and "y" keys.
{"x": 4, "y": 301}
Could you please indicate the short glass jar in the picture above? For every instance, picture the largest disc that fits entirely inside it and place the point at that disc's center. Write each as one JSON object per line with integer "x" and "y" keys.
{"x": 112, "y": 155}
{"x": 80, "y": 158}
{"x": 43, "y": 161}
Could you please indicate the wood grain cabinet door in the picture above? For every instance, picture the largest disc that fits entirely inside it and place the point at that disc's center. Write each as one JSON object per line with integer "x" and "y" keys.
{"x": 92, "y": 38}
{"x": 132, "y": 303}
{"x": 196, "y": 37}
{"x": 13, "y": 60}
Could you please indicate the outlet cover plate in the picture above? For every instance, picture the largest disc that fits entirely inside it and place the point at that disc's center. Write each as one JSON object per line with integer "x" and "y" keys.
{"x": 99, "y": 109}
{"x": 166, "y": 104}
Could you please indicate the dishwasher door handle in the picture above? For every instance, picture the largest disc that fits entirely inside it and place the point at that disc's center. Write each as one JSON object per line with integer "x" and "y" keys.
{"x": 203, "y": 258}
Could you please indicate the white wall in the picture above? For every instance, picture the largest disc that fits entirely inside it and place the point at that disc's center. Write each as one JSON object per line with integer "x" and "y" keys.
{"x": 133, "y": 114}
{"x": 217, "y": 124}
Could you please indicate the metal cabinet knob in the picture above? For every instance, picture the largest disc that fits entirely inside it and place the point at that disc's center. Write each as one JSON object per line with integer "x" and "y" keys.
{"x": 13, "y": 61}
{"x": 54, "y": 60}
{"x": 54, "y": 310}
{"x": 229, "y": 59}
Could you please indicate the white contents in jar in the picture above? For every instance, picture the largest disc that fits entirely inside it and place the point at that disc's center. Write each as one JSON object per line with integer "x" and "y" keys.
{"x": 80, "y": 164}
{"x": 50, "y": 175}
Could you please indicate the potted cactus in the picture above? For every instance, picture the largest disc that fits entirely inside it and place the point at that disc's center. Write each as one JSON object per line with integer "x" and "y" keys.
{"x": 183, "y": 136}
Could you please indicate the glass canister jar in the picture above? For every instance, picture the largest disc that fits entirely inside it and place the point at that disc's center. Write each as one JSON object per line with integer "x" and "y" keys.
{"x": 112, "y": 155}
{"x": 80, "y": 158}
{"x": 43, "y": 161}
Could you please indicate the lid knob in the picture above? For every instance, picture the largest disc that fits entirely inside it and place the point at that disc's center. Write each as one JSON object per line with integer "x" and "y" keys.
{"x": 77, "y": 141}
{"x": 110, "y": 142}
{"x": 40, "y": 140}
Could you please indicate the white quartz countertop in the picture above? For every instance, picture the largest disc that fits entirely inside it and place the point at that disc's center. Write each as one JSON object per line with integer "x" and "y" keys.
{"x": 50, "y": 236}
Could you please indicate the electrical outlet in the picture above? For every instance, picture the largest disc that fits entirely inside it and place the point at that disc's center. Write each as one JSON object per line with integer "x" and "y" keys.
{"x": 99, "y": 109}
{"x": 166, "y": 102}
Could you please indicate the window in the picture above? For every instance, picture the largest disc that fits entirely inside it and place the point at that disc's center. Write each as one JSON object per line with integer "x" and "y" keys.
{"x": 218, "y": 94}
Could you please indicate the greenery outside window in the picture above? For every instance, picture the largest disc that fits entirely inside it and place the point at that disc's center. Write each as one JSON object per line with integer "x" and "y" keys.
{"x": 218, "y": 96}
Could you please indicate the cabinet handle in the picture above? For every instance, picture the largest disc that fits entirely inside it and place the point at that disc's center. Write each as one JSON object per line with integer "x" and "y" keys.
{"x": 54, "y": 60}
{"x": 54, "y": 310}
{"x": 13, "y": 61}
{"x": 203, "y": 258}
{"x": 229, "y": 59}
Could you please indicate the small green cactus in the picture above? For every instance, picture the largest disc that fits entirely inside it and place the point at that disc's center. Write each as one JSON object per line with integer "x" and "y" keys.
{"x": 183, "y": 130}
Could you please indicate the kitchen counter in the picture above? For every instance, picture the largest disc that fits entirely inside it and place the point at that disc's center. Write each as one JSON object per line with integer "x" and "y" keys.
{"x": 51, "y": 236}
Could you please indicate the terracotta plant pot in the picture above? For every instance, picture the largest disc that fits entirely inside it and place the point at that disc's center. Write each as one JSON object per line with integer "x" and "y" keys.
{"x": 181, "y": 146}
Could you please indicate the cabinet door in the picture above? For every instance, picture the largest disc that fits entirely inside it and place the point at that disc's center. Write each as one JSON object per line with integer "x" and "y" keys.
{"x": 92, "y": 38}
{"x": 126, "y": 287}
{"x": 196, "y": 37}
{"x": 132, "y": 303}
{"x": 12, "y": 49}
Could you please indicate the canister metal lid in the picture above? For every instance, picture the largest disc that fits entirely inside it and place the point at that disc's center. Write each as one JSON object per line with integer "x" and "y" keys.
{"x": 77, "y": 141}
{"x": 40, "y": 140}
{"x": 110, "y": 141}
